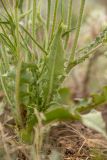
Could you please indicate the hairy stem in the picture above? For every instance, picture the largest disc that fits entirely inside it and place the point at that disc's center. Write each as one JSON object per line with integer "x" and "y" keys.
{"x": 80, "y": 60}
{"x": 62, "y": 10}
{"x": 54, "y": 19}
{"x": 38, "y": 138}
{"x": 17, "y": 95}
{"x": 27, "y": 17}
{"x": 17, "y": 32}
{"x": 37, "y": 44}
{"x": 48, "y": 14}
{"x": 72, "y": 56}
{"x": 69, "y": 20}
{"x": 33, "y": 23}
{"x": 18, "y": 71}
{"x": 5, "y": 91}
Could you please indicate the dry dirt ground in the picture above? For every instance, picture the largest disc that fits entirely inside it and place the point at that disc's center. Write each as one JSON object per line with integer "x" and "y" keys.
{"x": 77, "y": 142}
{"x": 65, "y": 141}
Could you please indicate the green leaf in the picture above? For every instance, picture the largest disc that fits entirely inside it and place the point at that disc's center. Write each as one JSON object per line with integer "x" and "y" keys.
{"x": 56, "y": 113}
{"x": 105, "y": 93}
{"x": 68, "y": 31}
{"x": 65, "y": 96}
{"x": 98, "y": 99}
{"x": 92, "y": 102}
{"x": 95, "y": 121}
{"x": 55, "y": 66}
{"x": 26, "y": 136}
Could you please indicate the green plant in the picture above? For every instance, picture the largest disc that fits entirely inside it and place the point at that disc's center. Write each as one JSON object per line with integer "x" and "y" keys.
{"x": 33, "y": 71}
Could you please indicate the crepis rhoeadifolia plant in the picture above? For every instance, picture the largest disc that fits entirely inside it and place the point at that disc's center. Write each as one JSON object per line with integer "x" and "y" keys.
{"x": 34, "y": 65}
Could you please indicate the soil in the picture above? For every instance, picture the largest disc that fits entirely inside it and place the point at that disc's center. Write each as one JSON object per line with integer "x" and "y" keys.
{"x": 65, "y": 140}
{"x": 75, "y": 141}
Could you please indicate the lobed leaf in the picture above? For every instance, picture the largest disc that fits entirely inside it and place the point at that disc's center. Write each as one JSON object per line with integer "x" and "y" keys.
{"x": 55, "y": 67}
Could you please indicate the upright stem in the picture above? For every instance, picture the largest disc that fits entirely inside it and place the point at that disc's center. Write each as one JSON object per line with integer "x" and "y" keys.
{"x": 10, "y": 7}
{"x": 69, "y": 20}
{"x": 18, "y": 71}
{"x": 5, "y": 91}
{"x": 27, "y": 17}
{"x": 38, "y": 138}
{"x": 48, "y": 14}
{"x": 62, "y": 10}
{"x": 34, "y": 19}
{"x": 72, "y": 56}
{"x": 17, "y": 95}
{"x": 54, "y": 18}
{"x": 17, "y": 32}
{"x": 47, "y": 28}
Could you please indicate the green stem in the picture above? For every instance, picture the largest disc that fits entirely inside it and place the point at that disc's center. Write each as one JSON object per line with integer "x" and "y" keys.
{"x": 69, "y": 20}
{"x": 4, "y": 56}
{"x": 10, "y": 7}
{"x": 62, "y": 10}
{"x": 81, "y": 59}
{"x": 5, "y": 8}
{"x": 33, "y": 23}
{"x": 27, "y": 17}
{"x": 18, "y": 72}
{"x": 72, "y": 56}
{"x": 34, "y": 18}
{"x": 17, "y": 32}
{"x": 54, "y": 19}
{"x": 48, "y": 15}
{"x": 39, "y": 46}
{"x": 17, "y": 95}
{"x": 5, "y": 91}
{"x": 46, "y": 28}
